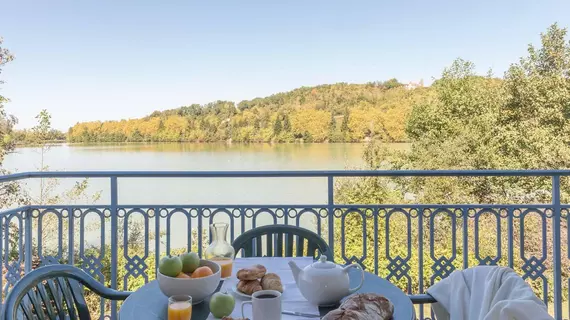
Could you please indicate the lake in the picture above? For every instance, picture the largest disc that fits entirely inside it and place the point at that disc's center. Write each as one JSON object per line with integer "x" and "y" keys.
{"x": 194, "y": 157}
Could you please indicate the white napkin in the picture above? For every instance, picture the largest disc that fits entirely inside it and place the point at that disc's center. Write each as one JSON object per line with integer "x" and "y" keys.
{"x": 291, "y": 299}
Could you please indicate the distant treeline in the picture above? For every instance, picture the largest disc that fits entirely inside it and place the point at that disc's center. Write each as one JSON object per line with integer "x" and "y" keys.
{"x": 30, "y": 137}
{"x": 327, "y": 113}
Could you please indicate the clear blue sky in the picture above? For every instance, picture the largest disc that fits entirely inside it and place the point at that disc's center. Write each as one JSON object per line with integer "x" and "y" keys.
{"x": 101, "y": 60}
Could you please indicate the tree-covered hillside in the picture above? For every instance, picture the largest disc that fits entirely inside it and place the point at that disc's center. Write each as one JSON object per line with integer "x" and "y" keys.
{"x": 328, "y": 113}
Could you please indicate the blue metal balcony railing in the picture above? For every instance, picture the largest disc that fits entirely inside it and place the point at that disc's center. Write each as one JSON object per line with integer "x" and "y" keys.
{"x": 410, "y": 256}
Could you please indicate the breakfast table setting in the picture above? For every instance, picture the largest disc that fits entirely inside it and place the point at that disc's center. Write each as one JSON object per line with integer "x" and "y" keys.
{"x": 304, "y": 289}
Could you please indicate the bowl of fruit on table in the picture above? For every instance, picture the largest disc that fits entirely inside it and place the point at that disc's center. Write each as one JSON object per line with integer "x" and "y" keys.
{"x": 187, "y": 274}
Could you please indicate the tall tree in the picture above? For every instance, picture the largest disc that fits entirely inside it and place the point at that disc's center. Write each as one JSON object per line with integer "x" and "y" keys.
{"x": 332, "y": 128}
{"x": 391, "y": 84}
{"x": 345, "y": 120}
{"x": 286, "y": 123}
{"x": 277, "y": 126}
{"x": 10, "y": 192}
{"x": 41, "y": 139}
{"x": 6, "y": 121}
{"x": 537, "y": 113}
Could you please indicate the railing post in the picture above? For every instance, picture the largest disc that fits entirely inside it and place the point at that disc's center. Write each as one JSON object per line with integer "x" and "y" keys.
{"x": 421, "y": 256}
{"x": 511, "y": 234}
{"x": 200, "y": 226}
{"x": 330, "y": 207}
{"x": 556, "y": 247}
{"x": 156, "y": 237}
{"x": 465, "y": 238}
{"x": 114, "y": 241}
{"x": 28, "y": 237}
{"x": 71, "y": 237}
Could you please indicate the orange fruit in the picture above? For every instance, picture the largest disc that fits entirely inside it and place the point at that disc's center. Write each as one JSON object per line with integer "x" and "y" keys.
{"x": 183, "y": 275}
{"x": 201, "y": 272}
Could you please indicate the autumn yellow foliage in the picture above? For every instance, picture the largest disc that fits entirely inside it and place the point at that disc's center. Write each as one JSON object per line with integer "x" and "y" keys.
{"x": 329, "y": 113}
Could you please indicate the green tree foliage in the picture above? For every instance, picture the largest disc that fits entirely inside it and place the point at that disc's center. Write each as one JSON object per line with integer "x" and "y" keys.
{"x": 392, "y": 83}
{"x": 28, "y": 137}
{"x": 277, "y": 127}
{"x": 388, "y": 84}
{"x": 334, "y": 132}
{"x": 6, "y": 121}
{"x": 286, "y": 123}
{"x": 39, "y": 134}
{"x": 344, "y": 127}
{"x": 521, "y": 121}
{"x": 304, "y": 114}
{"x": 9, "y": 192}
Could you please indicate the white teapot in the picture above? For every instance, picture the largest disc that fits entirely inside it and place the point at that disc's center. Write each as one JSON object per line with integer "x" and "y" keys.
{"x": 324, "y": 283}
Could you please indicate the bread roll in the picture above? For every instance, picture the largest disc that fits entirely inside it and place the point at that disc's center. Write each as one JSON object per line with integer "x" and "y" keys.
{"x": 271, "y": 281}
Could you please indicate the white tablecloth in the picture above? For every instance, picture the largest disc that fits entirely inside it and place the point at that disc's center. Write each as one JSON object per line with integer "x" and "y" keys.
{"x": 291, "y": 299}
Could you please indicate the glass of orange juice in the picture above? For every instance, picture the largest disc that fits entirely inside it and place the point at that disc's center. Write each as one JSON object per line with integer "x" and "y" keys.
{"x": 180, "y": 308}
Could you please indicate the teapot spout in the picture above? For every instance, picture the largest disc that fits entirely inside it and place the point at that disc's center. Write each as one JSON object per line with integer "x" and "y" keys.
{"x": 295, "y": 270}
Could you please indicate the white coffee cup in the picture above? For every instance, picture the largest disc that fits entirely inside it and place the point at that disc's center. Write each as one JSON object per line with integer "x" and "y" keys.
{"x": 266, "y": 304}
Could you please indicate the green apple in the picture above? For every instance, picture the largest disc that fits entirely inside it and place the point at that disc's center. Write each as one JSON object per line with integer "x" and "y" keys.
{"x": 190, "y": 262}
{"x": 222, "y": 304}
{"x": 170, "y": 266}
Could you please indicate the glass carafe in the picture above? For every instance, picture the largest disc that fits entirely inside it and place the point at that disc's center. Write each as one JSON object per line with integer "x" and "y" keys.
{"x": 220, "y": 251}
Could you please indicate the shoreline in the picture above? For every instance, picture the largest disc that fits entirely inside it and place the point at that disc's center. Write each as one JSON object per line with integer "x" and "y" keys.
{"x": 59, "y": 143}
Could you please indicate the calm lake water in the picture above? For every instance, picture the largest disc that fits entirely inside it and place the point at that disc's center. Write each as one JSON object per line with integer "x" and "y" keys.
{"x": 195, "y": 157}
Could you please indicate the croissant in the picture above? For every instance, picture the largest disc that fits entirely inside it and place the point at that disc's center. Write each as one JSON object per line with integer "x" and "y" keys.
{"x": 252, "y": 273}
{"x": 249, "y": 287}
{"x": 271, "y": 281}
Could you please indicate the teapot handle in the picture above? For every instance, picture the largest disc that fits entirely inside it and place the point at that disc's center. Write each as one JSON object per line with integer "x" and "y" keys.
{"x": 353, "y": 290}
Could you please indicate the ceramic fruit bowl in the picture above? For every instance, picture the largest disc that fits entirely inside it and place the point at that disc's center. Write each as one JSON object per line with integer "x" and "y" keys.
{"x": 198, "y": 288}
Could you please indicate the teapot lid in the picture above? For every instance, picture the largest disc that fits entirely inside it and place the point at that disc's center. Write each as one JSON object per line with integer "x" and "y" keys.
{"x": 323, "y": 263}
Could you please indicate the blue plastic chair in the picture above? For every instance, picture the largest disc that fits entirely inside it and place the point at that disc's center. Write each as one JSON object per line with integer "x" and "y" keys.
{"x": 55, "y": 292}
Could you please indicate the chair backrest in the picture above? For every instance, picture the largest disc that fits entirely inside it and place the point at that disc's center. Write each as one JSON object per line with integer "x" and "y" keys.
{"x": 281, "y": 241}
{"x": 54, "y": 292}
